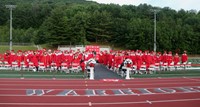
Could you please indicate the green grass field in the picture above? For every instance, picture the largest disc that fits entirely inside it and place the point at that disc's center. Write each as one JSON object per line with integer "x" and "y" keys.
{"x": 30, "y": 74}
{"x": 80, "y": 75}
{"x": 191, "y": 73}
{"x": 3, "y": 48}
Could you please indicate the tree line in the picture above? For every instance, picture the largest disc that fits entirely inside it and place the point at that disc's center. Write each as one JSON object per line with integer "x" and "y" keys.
{"x": 80, "y": 22}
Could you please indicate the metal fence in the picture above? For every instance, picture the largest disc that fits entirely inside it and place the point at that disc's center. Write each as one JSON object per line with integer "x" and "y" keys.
{"x": 80, "y": 47}
{"x": 21, "y": 44}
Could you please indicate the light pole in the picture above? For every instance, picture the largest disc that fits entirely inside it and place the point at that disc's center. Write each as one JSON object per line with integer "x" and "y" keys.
{"x": 155, "y": 12}
{"x": 11, "y": 7}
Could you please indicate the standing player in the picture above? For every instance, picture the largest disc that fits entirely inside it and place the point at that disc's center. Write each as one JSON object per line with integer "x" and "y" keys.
{"x": 164, "y": 57}
{"x": 19, "y": 58}
{"x": 13, "y": 56}
{"x": 169, "y": 58}
{"x": 133, "y": 57}
{"x": 26, "y": 60}
{"x": 184, "y": 57}
{"x": 139, "y": 59}
{"x": 176, "y": 59}
{"x": 35, "y": 61}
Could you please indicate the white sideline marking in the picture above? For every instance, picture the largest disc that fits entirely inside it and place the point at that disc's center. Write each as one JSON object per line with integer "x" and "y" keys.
{"x": 49, "y": 90}
{"x": 43, "y": 79}
{"x": 44, "y": 104}
{"x": 98, "y": 84}
{"x": 143, "y": 102}
{"x": 137, "y": 80}
{"x": 192, "y": 79}
{"x": 148, "y": 102}
{"x": 109, "y": 103}
{"x": 95, "y": 88}
{"x": 177, "y": 100}
{"x": 89, "y": 103}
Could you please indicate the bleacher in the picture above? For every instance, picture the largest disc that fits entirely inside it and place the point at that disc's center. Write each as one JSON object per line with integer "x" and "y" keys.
{"x": 194, "y": 61}
{"x": 81, "y": 47}
{"x": 158, "y": 68}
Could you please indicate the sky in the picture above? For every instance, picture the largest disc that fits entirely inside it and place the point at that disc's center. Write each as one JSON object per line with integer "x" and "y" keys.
{"x": 173, "y": 4}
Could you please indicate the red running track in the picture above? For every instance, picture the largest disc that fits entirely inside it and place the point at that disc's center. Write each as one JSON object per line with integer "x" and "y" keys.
{"x": 157, "y": 92}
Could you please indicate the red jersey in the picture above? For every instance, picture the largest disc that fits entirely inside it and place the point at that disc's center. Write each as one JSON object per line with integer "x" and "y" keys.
{"x": 176, "y": 59}
{"x": 26, "y": 60}
{"x": 19, "y": 59}
{"x": 169, "y": 58}
{"x": 158, "y": 58}
{"x": 133, "y": 58}
{"x": 184, "y": 58}
{"x": 139, "y": 61}
{"x": 58, "y": 59}
{"x": 118, "y": 60}
{"x": 110, "y": 59}
{"x": 44, "y": 59}
{"x": 13, "y": 57}
{"x": 164, "y": 58}
{"x": 6, "y": 57}
{"x": 35, "y": 60}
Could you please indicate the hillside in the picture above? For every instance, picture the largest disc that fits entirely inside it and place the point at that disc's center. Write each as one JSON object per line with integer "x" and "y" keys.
{"x": 17, "y": 2}
{"x": 80, "y": 22}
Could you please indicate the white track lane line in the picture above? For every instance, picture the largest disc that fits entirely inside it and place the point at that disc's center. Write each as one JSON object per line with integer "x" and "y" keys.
{"x": 80, "y": 80}
{"x": 108, "y": 103}
{"x": 89, "y": 103}
{"x": 198, "y": 82}
{"x": 46, "y": 104}
{"x": 94, "y": 88}
{"x": 152, "y": 80}
{"x": 147, "y": 102}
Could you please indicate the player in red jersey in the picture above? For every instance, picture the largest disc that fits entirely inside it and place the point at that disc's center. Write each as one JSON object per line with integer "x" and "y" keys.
{"x": 176, "y": 59}
{"x": 184, "y": 57}
{"x": 159, "y": 57}
{"x": 13, "y": 56}
{"x": 1, "y": 57}
{"x": 139, "y": 59}
{"x": 35, "y": 60}
{"x": 169, "y": 58}
{"x": 164, "y": 57}
{"x": 148, "y": 59}
{"x": 44, "y": 59}
{"x": 110, "y": 59}
{"x": 19, "y": 58}
{"x": 133, "y": 57}
{"x": 26, "y": 60}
